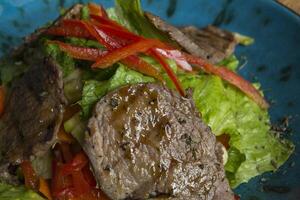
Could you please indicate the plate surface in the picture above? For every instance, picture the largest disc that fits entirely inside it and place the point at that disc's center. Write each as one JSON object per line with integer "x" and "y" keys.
{"x": 274, "y": 60}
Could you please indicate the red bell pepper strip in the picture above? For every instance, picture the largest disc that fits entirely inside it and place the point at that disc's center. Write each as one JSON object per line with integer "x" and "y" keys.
{"x": 59, "y": 182}
{"x": 101, "y": 36}
{"x": 177, "y": 56}
{"x": 135, "y": 63}
{"x": 89, "y": 176}
{"x": 110, "y": 27}
{"x": 123, "y": 52}
{"x": 77, "y": 164}
{"x": 115, "y": 31}
{"x": 80, "y": 184}
{"x": 107, "y": 21}
{"x": 231, "y": 78}
{"x": 132, "y": 61}
{"x": 168, "y": 70}
{"x": 91, "y": 54}
{"x": 69, "y": 31}
{"x": 31, "y": 179}
{"x": 97, "y": 10}
{"x": 82, "y": 53}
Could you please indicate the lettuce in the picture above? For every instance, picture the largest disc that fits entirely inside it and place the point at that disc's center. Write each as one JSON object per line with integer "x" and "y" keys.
{"x": 8, "y": 192}
{"x": 254, "y": 149}
{"x": 131, "y": 15}
{"x": 66, "y": 62}
{"x": 230, "y": 62}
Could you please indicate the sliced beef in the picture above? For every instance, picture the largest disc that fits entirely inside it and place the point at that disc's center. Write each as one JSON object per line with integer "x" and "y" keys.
{"x": 33, "y": 114}
{"x": 146, "y": 141}
{"x": 210, "y": 43}
{"x": 33, "y": 111}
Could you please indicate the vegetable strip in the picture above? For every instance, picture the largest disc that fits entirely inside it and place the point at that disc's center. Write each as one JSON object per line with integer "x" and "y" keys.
{"x": 123, "y": 52}
{"x": 83, "y": 53}
{"x": 231, "y": 78}
{"x": 169, "y": 71}
{"x": 44, "y": 188}
{"x": 97, "y": 10}
{"x": 31, "y": 179}
{"x": 69, "y": 31}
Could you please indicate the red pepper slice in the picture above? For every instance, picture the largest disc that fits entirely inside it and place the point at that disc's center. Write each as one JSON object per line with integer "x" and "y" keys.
{"x": 67, "y": 193}
{"x": 132, "y": 61}
{"x": 69, "y": 30}
{"x": 136, "y": 63}
{"x": 107, "y": 21}
{"x": 115, "y": 31}
{"x": 31, "y": 179}
{"x": 97, "y": 10}
{"x": 89, "y": 176}
{"x": 78, "y": 162}
{"x": 83, "y": 53}
{"x": 123, "y": 52}
{"x": 231, "y": 78}
{"x": 101, "y": 36}
{"x": 177, "y": 56}
{"x": 168, "y": 70}
{"x": 80, "y": 184}
{"x": 59, "y": 182}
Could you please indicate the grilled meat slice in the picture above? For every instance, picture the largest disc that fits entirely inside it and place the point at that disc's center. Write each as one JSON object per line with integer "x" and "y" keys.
{"x": 146, "y": 141}
{"x": 33, "y": 113}
{"x": 210, "y": 43}
{"x": 34, "y": 107}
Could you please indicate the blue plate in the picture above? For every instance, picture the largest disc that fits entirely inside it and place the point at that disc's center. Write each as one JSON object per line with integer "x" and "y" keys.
{"x": 274, "y": 60}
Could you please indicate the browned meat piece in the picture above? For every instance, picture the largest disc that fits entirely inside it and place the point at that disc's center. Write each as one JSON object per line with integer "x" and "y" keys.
{"x": 33, "y": 114}
{"x": 34, "y": 109}
{"x": 210, "y": 43}
{"x": 146, "y": 141}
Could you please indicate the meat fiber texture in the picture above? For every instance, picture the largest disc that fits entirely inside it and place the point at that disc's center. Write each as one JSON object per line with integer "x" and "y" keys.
{"x": 146, "y": 141}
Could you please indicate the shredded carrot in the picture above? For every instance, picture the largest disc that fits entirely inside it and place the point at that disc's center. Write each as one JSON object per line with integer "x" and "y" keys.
{"x": 44, "y": 188}
{"x": 2, "y": 99}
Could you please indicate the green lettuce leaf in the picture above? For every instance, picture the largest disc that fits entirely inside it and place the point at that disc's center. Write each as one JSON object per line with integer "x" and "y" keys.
{"x": 66, "y": 62}
{"x": 131, "y": 15}
{"x": 253, "y": 148}
{"x": 8, "y": 192}
{"x": 230, "y": 62}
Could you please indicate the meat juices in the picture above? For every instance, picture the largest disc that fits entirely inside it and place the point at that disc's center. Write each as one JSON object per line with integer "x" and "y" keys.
{"x": 147, "y": 141}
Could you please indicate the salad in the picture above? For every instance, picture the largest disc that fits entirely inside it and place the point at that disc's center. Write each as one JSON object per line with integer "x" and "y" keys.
{"x": 118, "y": 104}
